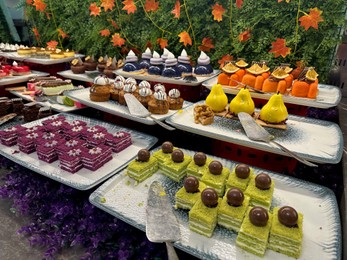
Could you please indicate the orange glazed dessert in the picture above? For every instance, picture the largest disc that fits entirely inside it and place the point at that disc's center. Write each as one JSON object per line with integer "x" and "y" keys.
{"x": 255, "y": 76}
{"x": 277, "y": 81}
{"x": 306, "y": 86}
{"x": 228, "y": 75}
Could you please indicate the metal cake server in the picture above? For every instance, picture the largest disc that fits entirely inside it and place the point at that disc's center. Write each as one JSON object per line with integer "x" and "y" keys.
{"x": 161, "y": 223}
{"x": 137, "y": 109}
{"x": 256, "y": 132}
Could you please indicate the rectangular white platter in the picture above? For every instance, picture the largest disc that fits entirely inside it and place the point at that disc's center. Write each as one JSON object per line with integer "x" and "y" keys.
{"x": 121, "y": 197}
{"x": 114, "y": 108}
{"x": 81, "y": 77}
{"x": 328, "y": 95}
{"x": 315, "y": 140}
{"x": 43, "y": 61}
{"x": 19, "y": 79}
{"x": 84, "y": 179}
{"x": 161, "y": 79}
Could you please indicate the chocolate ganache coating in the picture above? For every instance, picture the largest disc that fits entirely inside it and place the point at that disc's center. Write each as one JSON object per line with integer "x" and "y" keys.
{"x": 191, "y": 184}
{"x": 235, "y": 197}
{"x": 209, "y": 197}
{"x": 167, "y": 147}
{"x": 177, "y": 156}
{"x": 288, "y": 216}
{"x": 242, "y": 171}
{"x": 258, "y": 216}
{"x": 143, "y": 155}
{"x": 215, "y": 167}
{"x": 200, "y": 158}
{"x": 263, "y": 181}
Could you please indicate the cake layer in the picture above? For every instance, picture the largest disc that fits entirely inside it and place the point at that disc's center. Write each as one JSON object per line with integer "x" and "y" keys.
{"x": 216, "y": 181}
{"x": 140, "y": 171}
{"x": 186, "y": 200}
{"x": 175, "y": 176}
{"x": 196, "y": 170}
{"x": 234, "y": 181}
{"x": 249, "y": 245}
{"x": 229, "y": 223}
{"x": 200, "y": 229}
{"x": 260, "y": 197}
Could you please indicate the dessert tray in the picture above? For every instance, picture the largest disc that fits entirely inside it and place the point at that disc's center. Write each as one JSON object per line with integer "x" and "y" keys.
{"x": 161, "y": 79}
{"x": 123, "y": 198}
{"x": 43, "y": 61}
{"x": 328, "y": 95}
{"x": 114, "y": 108}
{"x": 81, "y": 77}
{"x": 83, "y": 179}
{"x": 313, "y": 139}
{"x": 19, "y": 79}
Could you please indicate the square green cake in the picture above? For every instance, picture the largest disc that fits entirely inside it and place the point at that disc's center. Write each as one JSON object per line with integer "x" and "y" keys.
{"x": 252, "y": 238}
{"x": 202, "y": 219}
{"x": 185, "y": 200}
{"x": 216, "y": 181}
{"x": 176, "y": 171}
{"x": 286, "y": 240}
{"x": 196, "y": 170}
{"x": 262, "y": 198}
{"x": 234, "y": 181}
{"x": 231, "y": 217}
{"x": 162, "y": 157}
{"x": 140, "y": 171}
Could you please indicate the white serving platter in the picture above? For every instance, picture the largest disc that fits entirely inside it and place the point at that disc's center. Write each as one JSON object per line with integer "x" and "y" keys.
{"x": 43, "y": 61}
{"x": 114, "y": 108}
{"x": 81, "y": 77}
{"x": 315, "y": 140}
{"x": 125, "y": 199}
{"x": 20, "y": 79}
{"x": 328, "y": 95}
{"x": 161, "y": 79}
{"x": 84, "y": 179}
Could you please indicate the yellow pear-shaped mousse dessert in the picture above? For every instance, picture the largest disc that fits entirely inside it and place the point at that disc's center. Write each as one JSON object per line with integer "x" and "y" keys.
{"x": 217, "y": 100}
{"x": 274, "y": 111}
{"x": 242, "y": 102}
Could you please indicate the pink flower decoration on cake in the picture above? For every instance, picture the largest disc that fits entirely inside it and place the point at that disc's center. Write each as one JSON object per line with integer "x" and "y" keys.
{"x": 77, "y": 128}
{"x": 71, "y": 143}
{"x": 118, "y": 134}
{"x": 56, "y": 123}
{"x": 95, "y": 150}
{"x": 32, "y": 136}
{"x": 51, "y": 143}
{"x": 74, "y": 152}
{"x": 92, "y": 129}
{"x": 48, "y": 136}
{"x": 98, "y": 135}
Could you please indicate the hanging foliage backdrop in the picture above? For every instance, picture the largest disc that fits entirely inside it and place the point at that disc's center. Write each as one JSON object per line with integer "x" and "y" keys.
{"x": 275, "y": 30}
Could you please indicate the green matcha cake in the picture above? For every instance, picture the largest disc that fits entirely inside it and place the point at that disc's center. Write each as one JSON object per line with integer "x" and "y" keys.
{"x": 260, "y": 189}
{"x": 216, "y": 176}
{"x": 232, "y": 209}
{"x": 163, "y": 155}
{"x": 191, "y": 191}
{"x": 286, "y": 232}
{"x": 240, "y": 177}
{"x": 254, "y": 231}
{"x": 143, "y": 167}
{"x": 203, "y": 215}
{"x": 176, "y": 167}
{"x": 199, "y": 165}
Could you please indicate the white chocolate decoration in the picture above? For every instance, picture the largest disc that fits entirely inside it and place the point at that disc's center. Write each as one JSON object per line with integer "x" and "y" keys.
{"x": 130, "y": 80}
{"x": 145, "y": 92}
{"x": 119, "y": 78}
{"x": 159, "y": 87}
{"x": 174, "y": 93}
{"x": 144, "y": 84}
{"x": 118, "y": 85}
{"x": 129, "y": 87}
{"x": 14, "y": 63}
{"x": 160, "y": 95}
{"x": 101, "y": 80}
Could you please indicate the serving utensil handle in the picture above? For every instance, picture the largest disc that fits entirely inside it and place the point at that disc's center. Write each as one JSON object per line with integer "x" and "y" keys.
{"x": 171, "y": 252}
{"x": 162, "y": 124}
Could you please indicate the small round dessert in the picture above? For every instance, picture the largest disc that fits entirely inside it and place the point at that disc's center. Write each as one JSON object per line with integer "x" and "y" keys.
{"x": 90, "y": 63}
{"x": 118, "y": 86}
{"x": 242, "y": 171}
{"x": 77, "y": 66}
{"x": 177, "y": 156}
{"x": 24, "y": 51}
{"x": 18, "y": 70}
{"x": 235, "y": 197}
{"x": 209, "y": 197}
{"x": 143, "y": 155}
{"x": 100, "y": 90}
{"x": 69, "y": 53}
{"x": 167, "y": 147}
{"x": 204, "y": 67}
{"x": 111, "y": 65}
{"x": 159, "y": 104}
{"x": 131, "y": 65}
{"x": 156, "y": 65}
{"x": 263, "y": 181}
{"x": 144, "y": 96}
{"x": 170, "y": 69}
{"x": 215, "y": 167}
{"x": 191, "y": 184}
{"x": 145, "y": 59}
{"x": 288, "y": 216}
{"x": 128, "y": 88}
{"x": 258, "y": 216}
{"x": 175, "y": 100}
{"x": 183, "y": 65}
{"x": 200, "y": 158}
{"x": 57, "y": 54}
{"x": 102, "y": 63}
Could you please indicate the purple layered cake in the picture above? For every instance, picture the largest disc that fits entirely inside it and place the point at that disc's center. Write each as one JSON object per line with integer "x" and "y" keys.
{"x": 156, "y": 64}
{"x": 145, "y": 59}
{"x": 52, "y": 119}
{"x": 94, "y": 157}
{"x": 27, "y": 143}
{"x": 67, "y": 145}
{"x": 49, "y": 136}
{"x": 90, "y": 130}
{"x": 8, "y": 136}
{"x": 97, "y": 138}
{"x": 131, "y": 64}
{"x": 118, "y": 141}
{"x": 204, "y": 67}
{"x": 170, "y": 69}
{"x": 75, "y": 132}
{"x": 183, "y": 65}
{"x": 70, "y": 161}
{"x": 46, "y": 150}
{"x": 68, "y": 125}
{"x": 54, "y": 125}
{"x": 29, "y": 130}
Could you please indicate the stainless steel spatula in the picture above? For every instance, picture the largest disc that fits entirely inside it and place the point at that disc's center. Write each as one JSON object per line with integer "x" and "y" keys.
{"x": 161, "y": 222}
{"x": 139, "y": 110}
{"x": 256, "y": 132}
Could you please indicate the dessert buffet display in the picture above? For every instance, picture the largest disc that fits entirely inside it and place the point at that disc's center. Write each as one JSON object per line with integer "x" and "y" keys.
{"x": 268, "y": 218}
{"x": 77, "y": 151}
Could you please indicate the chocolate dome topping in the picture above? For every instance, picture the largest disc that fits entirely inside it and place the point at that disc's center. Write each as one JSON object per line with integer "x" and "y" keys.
{"x": 167, "y": 147}
{"x": 263, "y": 181}
{"x": 288, "y": 216}
{"x": 258, "y": 216}
{"x": 191, "y": 184}
{"x": 235, "y": 197}
{"x": 209, "y": 197}
{"x": 215, "y": 167}
{"x": 200, "y": 158}
{"x": 242, "y": 171}
{"x": 143, "y": 155}
{"x": 177, "y": 156}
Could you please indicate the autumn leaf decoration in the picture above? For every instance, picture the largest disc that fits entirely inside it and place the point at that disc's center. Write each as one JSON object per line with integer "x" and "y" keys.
{"x": 151, "y": 6}
{"x": 217, "y": 12}
{"x": 239, "y": 3}
{"x": 162, "y": 42}
{"x": 94, "y": 9}
{"x": 39, "y": 5}
{"x": 312, "y": 19}
{"x": 52, "y": 44}
{"x": 36, "y": 33}
{"x": 177, "y": 10}
{"x": 225, "y": 59}
{"x": 62, "y": 33}
{"x": 245, "y": 36}
{"x": 117, "y": 40}
{"x": 105, "y": 32}
{"x": 107, "y": 4}
{"x": 185, "y": 38}
{"x": 279, "y": 48}
{"x": 129, "y": 6}
{"x": 206, "y": 45}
